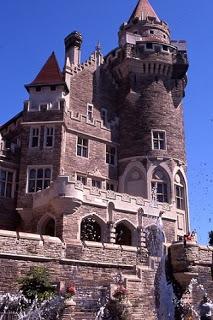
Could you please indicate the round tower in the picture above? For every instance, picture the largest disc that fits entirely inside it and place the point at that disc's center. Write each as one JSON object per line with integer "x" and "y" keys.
{"x": 150, "y": 74}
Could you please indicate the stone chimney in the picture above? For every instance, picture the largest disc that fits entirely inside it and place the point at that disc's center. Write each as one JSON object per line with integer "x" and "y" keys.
{"x": 73, "y": 49}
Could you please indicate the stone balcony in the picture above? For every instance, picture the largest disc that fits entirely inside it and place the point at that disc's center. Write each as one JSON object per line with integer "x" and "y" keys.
{"x": 65, "y": 193}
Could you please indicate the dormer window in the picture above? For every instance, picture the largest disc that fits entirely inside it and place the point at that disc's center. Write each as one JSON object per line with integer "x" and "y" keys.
{"x": 96, "y": 183}
{"x": 151, "y": 31}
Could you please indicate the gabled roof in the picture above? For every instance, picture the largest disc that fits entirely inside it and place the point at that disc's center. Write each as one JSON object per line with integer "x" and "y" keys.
{"x": 50, "y": 74}
{"x": 143, "y": 10}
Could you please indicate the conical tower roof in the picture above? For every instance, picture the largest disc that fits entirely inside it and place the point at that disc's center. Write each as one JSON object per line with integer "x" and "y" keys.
{"x": 50, "y": 74}
{"x": 143, "y": 10}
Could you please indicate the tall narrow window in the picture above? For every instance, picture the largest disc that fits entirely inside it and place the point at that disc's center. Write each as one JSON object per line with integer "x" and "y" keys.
{"x": 82, "y": 147}
{"x": 104, "y": 116}
{"x": 6, "y": 183}
{"x": 158, "y": 140}
{"x": 159, "y": 187}
{"x": 179, "y": 192}
{"x": 90, "y": 112}
{"x": 34, "y": 137}
{"x": 110, "y": 155}
{"x": 49, "y": 137}
{"x": 38, "y": 179}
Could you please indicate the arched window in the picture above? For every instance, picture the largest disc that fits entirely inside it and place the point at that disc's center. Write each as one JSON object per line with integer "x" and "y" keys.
{"x": 180, "y": 191}
{"x": 90, "y": 230}
{"x": 49, "y": 228}
{"x": 154, "y": 240}
{"x": 135, "y": 183}
{"x": 123, "y": 235}
{"x": 160, "y": 186}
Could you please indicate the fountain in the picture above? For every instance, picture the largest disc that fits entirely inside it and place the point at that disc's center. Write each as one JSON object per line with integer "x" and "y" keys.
{"x": 17, "y": 307}
{"x": 164, "y": 293}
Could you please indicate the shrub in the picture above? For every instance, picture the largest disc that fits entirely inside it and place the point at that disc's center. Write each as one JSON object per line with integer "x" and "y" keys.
{"x": 36, "y": 285}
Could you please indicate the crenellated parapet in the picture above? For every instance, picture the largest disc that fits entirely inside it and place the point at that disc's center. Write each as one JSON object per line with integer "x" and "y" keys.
{"x": 187, "y": 259}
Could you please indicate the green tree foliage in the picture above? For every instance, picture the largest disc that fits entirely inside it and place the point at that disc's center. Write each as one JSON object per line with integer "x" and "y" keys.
{"x": 36, "y": 285}
{"x": 211, "y": 238}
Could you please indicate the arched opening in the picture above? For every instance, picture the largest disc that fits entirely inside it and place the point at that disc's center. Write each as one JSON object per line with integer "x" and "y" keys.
{"x": 90, "y": 230}
{"x": 123, "y": 235}
{"x": 154, "y": 240}
{"x": 160, "y": 186}
{"x": 180, "y": 191}
{"x": 49, "y": 228}
{"x": 135, "y": 183}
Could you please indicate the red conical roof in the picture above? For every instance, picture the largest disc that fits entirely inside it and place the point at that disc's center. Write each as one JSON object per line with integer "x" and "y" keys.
{"x": 50, "y": 73}
{"x": 143, "y": 10}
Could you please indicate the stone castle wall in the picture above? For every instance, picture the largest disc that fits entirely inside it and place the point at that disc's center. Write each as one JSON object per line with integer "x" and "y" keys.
{"x": 192, "y": 267}
{"x": 91, "y": 267}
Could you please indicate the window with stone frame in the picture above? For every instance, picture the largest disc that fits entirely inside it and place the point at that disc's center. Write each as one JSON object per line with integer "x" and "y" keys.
{"x": 96, "y": 183}
{"x": 158, "y": 140}
{"x": 90, "y": 112}
{"x": 179, "y": 192}
{"x": 6, "y": 183}
{"x": 90, "y": 230}
{"x": 123, "y": 235}
{"x": 159, "y": 187}
{"x": 110, "y": 155}
{"x": 82, "y": 147}
{"x": 49, "y": 137}
{"x": 82, "y": 179}
{"x": 34, "y": 137}
{"x": 38, "y": 178}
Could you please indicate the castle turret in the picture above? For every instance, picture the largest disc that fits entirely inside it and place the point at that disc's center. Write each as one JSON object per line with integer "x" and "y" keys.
{"x": 150, "y": 72}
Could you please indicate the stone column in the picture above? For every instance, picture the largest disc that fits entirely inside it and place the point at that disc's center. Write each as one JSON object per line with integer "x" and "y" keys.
{"x": 111, "y": 227}
{"x": 69, "y": 309}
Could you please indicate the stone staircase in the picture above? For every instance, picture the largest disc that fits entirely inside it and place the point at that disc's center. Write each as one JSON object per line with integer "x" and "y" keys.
{"x": 140, "y": 294}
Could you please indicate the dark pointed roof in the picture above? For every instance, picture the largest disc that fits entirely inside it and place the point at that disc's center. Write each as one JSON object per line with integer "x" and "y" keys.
{"x": 50, "y": 74}
{"x": 143, "y": 10}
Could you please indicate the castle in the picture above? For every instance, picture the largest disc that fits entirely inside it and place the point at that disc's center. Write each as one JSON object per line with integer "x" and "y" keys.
{"x": 95, "y": 158}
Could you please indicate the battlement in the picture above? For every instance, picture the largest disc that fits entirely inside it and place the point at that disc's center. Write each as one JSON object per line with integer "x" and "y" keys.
{"x": 186, "y": 260}
{"x": 95, "y": 59}
{"x": 149, "y": 21}
{"x": 96, "y": 123}
{"x": 64, "y": 189}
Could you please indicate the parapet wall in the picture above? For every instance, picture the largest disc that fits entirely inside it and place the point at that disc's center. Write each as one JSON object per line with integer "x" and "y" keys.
{"x": 14, "y": 244}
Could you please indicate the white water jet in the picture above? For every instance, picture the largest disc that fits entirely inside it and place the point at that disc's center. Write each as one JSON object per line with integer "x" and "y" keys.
{"x": 16, "y": 306}
{"x": 164, "y": 293}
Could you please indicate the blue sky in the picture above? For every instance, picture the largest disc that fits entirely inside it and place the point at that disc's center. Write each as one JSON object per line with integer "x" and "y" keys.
{"x": 31, "y": 30}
